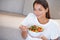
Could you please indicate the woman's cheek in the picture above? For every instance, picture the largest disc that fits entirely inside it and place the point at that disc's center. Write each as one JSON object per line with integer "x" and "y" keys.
{"x": 35, "y": 13}
{"x": 38, "y": 13}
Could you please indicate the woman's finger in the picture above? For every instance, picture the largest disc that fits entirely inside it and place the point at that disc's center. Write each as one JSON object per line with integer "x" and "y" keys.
{"x": 23, "y": 28}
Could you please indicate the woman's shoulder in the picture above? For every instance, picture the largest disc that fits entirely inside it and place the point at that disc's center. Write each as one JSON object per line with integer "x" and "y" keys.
{"x": 53, "y": 20}
{"x": 30, "y": 15}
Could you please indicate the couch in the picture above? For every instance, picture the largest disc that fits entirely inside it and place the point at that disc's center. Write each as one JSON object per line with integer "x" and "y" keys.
{"x": 9, "y": 27}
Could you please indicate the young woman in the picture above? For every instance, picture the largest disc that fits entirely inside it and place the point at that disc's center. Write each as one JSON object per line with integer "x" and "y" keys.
{"x": 40, "y": 16}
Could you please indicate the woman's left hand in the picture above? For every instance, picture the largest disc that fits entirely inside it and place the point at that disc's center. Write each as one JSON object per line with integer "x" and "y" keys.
{"x": 43, "y": 37}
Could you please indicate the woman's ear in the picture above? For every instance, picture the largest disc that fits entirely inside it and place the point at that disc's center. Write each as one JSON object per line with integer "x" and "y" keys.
{"x": 46, "y": 9}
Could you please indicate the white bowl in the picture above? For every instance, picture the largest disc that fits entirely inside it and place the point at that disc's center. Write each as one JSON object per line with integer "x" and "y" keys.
{"x": 34, "y": 33}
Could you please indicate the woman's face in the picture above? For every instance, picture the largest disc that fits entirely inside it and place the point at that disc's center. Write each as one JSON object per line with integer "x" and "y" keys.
{"x": 39, "y": 10}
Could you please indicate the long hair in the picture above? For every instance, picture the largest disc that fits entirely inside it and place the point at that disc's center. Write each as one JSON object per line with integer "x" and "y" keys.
{"x": 44, "y": 3}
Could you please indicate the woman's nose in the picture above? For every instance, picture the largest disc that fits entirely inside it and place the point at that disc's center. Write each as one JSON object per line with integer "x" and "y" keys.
{"x": 36, "y": 11}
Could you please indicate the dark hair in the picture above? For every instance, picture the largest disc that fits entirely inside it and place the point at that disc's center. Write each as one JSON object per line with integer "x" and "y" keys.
{"x": 44, "y": 3}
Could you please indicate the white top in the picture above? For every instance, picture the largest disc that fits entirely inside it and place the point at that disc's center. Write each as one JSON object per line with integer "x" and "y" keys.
{"x": 50, "y": 28}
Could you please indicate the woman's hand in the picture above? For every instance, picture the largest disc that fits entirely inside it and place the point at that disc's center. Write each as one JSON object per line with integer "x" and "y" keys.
{"x": 43, "y": 37}
{"x": 23, "y": 28}
{"x": 24, "y": 31}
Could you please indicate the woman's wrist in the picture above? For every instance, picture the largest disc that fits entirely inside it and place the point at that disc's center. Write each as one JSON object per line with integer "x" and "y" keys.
{"x": 24, "y": 34}
{"x": 24, "y": 30}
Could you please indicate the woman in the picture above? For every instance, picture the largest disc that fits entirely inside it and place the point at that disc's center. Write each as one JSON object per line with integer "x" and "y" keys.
{"x": 40, "y": 17}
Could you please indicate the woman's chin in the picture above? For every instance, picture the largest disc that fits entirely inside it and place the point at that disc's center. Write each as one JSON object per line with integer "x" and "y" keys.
{"x": 38, "y": 16}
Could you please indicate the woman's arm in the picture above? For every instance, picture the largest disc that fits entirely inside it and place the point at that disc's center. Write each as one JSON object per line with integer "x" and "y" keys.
{"x": 54, "y": 39}
{"x": 43, "y": 37}
{"x": 24, "y": 31}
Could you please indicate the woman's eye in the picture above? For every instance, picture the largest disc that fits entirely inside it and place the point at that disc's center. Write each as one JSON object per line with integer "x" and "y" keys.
{"x": 34, "y": 9}
{"x": 39, "y": 9}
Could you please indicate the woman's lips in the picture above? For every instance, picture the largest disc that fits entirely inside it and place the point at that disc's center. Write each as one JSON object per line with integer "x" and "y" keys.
{"x": 38, "y": 15}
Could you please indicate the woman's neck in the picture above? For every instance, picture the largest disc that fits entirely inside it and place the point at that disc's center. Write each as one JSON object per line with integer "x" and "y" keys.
{"x": 43, "y": 20}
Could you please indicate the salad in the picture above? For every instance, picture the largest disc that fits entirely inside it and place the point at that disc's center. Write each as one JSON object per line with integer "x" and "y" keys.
{"x": 35, "y": 28}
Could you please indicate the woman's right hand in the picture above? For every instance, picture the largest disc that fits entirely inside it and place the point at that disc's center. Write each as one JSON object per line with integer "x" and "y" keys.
{"x": 24, "y": 31}
{"x": 23, "y": 28}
